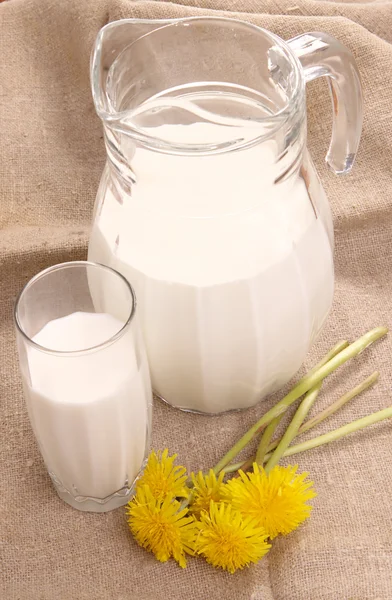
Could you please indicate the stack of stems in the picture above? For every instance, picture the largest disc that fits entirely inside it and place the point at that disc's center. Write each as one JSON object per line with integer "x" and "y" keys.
{"x": 307, "y": 383}
{"x": 313, "y": 422}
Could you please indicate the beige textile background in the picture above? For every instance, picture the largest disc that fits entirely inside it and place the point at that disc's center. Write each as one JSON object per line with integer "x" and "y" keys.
{"x": 51, "y": 157}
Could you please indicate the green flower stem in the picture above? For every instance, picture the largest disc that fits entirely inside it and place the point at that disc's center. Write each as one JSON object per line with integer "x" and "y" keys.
{"x": 266, "y": 438}
{"x": 265, "y": 442}
{"x": 292, "y": 429}
{"x": 185, "y": 502}
{"x": 333, "y": 352}
{"x": 304, "y": 385}
{"x": 336, "y": 434}
{"x": 324, "y": 414}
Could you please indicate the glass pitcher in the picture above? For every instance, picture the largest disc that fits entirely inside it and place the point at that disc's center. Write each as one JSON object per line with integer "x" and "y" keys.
{"x": 209, "y": 202}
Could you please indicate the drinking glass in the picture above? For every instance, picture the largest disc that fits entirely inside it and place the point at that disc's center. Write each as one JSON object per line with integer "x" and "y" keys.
{"x": 86, "y": 381}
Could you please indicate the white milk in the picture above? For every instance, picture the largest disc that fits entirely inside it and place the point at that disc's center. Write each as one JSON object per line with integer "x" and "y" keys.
{"x": 233, "y": 273}
{"x": 89, "y": 412}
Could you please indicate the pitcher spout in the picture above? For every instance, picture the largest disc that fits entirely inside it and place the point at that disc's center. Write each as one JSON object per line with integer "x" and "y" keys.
{"x": 112, "y": 40}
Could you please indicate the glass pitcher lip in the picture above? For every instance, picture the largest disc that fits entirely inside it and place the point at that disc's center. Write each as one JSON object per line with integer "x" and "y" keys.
{"x": 111, "y": 118}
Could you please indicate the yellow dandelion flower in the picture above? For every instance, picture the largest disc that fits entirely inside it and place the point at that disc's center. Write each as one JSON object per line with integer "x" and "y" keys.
{"x": 228, "y": 540}
{"x": 161, "y": 527}
{"x": 276, "y": 501}
{"x": 206, "y": 488}
{"x": 163, "y": 477}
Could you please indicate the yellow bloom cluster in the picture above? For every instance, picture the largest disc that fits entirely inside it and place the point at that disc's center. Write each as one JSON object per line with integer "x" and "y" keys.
{"x": 229, "y": 524}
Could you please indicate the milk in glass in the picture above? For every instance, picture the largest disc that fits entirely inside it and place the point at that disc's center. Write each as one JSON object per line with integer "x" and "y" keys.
{"x": 89, "y": 409}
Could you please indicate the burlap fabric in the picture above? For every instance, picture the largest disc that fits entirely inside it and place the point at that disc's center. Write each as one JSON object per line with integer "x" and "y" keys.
{"x": 51, "y": 157}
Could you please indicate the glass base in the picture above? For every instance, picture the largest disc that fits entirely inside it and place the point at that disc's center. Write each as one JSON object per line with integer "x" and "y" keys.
{"x": 97, "y": 505}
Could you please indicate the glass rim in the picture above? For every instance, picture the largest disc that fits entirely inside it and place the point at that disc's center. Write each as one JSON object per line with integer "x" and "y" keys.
{"x": 59, "y": 267}
{"x": 114, "y": 120}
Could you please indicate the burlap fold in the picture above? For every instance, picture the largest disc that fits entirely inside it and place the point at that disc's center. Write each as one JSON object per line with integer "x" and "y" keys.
{"x": 51, "y": 158}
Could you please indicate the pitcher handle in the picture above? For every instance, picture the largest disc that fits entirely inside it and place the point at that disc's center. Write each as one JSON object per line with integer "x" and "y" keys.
{"x": 322, "y": 55}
